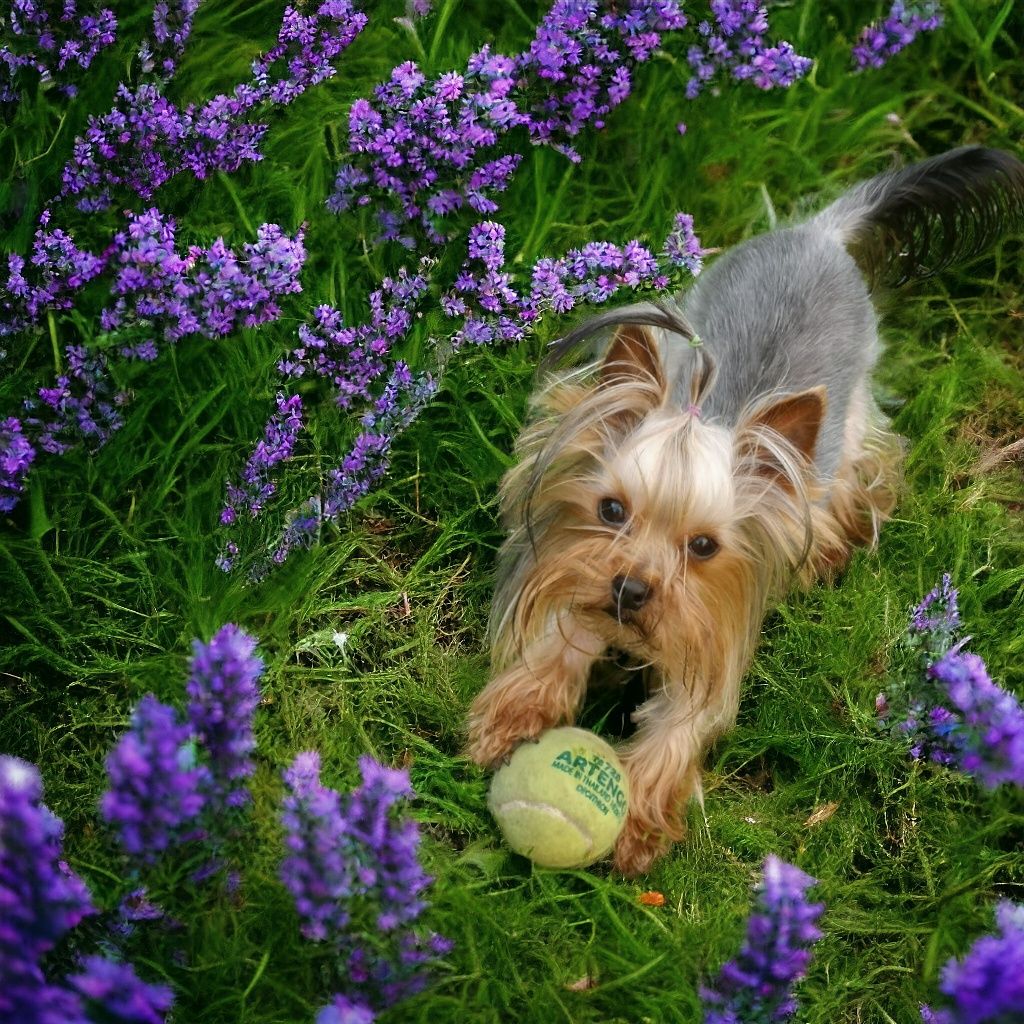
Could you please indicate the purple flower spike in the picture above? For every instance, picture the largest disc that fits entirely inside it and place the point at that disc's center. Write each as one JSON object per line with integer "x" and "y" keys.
{"x": 156, "y": 789}
{"x": 682, "y": 246}
{"x": 882, "y": 40}
{"x": 735, "y": 44}
{"x": 757, "y": 986}
{"x": 145, "y": 140}
{"x": 938, "y": 612}
{"x": 349, "y": 857}
{"x": 41, "y": 899}
{"x": 172, "y": 25}
{"x": 982, "y": 731}
{"x": 342, "y": 1010}
{"x": 318, "y": 870}
{"x": 16, "y": 456}
{"x": 948, "y": 710}
{"x": 117, "y": 991}
{"x": 223, "y": 691}
{"x": 50, "y": 45}
{"x": 987, "y": 985}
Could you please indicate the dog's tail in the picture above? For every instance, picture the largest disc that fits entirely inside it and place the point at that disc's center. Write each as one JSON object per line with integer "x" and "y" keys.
{"x": 916, "y": 221}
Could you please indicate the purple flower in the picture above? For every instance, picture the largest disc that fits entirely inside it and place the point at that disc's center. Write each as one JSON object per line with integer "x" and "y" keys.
{"x": 881, "y": 40}
{"x": 156, "y": 792}
{"x": 210, "y": 292}
{"x": 757, "y": 986}
{"x": 938, "y": 612}
{"x": 318, "y": 870}
{"x": 987, "y": 985}
{"x": 172, "y": 25}
{"x": 16, "y": 456}
{"x": 342, "y": 1010}
{"x": 948, "y": 710}
{"x": 982, "y": 730}
{"x": 118, "y": 992}
{"x": 349, "y": 857}
{"x": 423, "y": 150}
{"x": 145, "y": 140}
{"x": 735, "y": 44}
{"x": 41, "y": 899}
{"x": 278, "y": 444}
{"x": 52, "y": 41}
{"x": 223, "y": 691}
{"x": 56, "y": 269}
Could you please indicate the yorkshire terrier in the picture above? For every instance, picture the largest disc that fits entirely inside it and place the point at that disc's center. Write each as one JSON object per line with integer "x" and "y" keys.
{"x": 720, "y": 449}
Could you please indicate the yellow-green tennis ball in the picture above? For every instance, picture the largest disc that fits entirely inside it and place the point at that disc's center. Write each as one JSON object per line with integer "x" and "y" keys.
{"x": 561, "y": 801}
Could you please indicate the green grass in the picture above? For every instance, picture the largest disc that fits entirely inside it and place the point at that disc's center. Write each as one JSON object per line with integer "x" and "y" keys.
{"x": 106, "y": 573}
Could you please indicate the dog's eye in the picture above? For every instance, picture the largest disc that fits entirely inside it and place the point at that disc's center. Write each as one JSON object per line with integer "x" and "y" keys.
{"x": 702, "y": 546}
{"x": 611, "y": 511}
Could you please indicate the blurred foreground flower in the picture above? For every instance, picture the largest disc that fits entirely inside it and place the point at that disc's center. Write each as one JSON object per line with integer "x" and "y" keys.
{"x": 757, "y": 986}
{"x": 172, "y": 781}
{"x": 353, "y": 870}
{"x": 987, "y": 985}
{"x": 41, "y": 900}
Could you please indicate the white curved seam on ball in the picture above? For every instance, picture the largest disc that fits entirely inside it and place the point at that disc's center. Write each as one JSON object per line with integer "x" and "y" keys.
{"x": 530, "y": 805}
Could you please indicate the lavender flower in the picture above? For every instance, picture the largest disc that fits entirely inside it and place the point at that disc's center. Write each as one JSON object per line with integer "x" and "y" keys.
{"x": 735, "y": 44}
{"x": 757, "y": 986}
{"x": 317, "y": 871}
{"x": 278, "y": 444}
{"x": 223, "y": 690}
{"x": 882, "y": 40}
{"x": 52, "y": 40}
{"x": 119, "y": 993}
{"x": 156, "y": 789}
{"x": 172, "y": 26}
{"x": 41, "y": 899}
{"x": 342, "y": 1010}
{"x": 16, "y": 456}
{"x": 423, "y": 150}
{"x": 987, "y": 985}
{"x": 937, "y": 617}
{"x": 145, "y": 140}
{"x": 682, "y": 246}
{"x": 348, "y": 857}
{"x": 982, "y": 731}
{"x": 948, "y": 709}
{"x": 210, "y": 292}
{"x": 58, "y": 268}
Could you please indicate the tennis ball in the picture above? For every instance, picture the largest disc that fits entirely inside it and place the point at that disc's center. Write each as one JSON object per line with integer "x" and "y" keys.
{"x": 561, "y": 801}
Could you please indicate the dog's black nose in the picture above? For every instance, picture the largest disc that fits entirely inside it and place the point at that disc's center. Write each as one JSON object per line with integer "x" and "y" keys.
{"x": 629, "y": 594}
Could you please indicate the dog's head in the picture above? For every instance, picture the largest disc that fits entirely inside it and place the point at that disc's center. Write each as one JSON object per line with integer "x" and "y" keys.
{"x": 660, "y": 530}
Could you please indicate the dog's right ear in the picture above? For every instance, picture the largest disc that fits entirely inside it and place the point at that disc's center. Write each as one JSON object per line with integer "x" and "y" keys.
{"x": 633, "y": 358}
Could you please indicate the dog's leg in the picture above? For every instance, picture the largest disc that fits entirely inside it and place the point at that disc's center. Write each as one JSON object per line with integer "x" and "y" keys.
{"x": 542, "y": 688}
{"x": 663, "y": 762}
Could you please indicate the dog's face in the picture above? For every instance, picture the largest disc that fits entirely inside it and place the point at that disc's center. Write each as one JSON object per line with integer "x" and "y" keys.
{"x": 647, "y": 524}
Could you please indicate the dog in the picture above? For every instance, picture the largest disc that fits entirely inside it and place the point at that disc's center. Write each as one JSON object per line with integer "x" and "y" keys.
{"x": 722, "y": 448}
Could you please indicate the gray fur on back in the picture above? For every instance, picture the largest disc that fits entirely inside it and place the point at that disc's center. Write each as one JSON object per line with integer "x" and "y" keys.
{"x": 781, "y": 313}
{"x": 791, "y": 310}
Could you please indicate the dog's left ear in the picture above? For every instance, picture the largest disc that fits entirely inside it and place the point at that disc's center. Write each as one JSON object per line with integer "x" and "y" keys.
{"x": 797, "y": 419}
{"x": 633, "y": 357}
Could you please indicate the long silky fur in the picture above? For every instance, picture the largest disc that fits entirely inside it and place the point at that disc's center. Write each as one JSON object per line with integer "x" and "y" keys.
{"x": 914, "y": 222}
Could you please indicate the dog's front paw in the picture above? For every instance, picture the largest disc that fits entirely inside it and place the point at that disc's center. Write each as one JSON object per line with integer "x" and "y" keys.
{"x": 638, "y": 847}
{"x": 490, "y": 747}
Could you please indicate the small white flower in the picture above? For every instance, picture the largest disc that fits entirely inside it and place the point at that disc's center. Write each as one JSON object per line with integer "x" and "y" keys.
{"x": 340, "y": 639}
